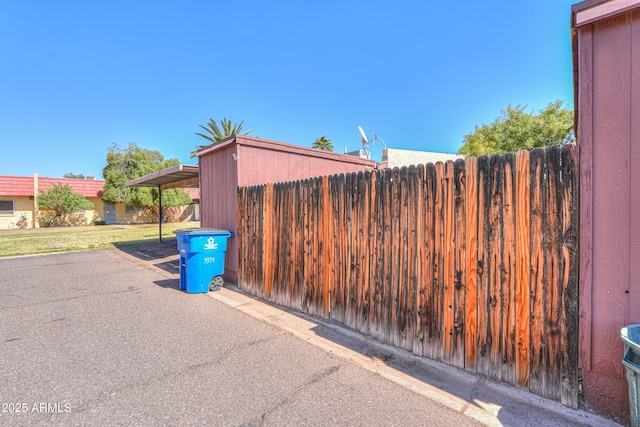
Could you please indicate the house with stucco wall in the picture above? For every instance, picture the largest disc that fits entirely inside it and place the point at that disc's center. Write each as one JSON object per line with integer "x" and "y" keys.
{"x": 19, "y": 207}
{"x": 397, "y": 158}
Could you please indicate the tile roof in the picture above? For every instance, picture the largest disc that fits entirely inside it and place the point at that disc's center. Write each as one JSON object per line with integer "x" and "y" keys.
{"x": 23, "y": 185}
{"x": 16, "y": 186}
{"x": 194, "y": 193}
{"x": 86, "y": 187}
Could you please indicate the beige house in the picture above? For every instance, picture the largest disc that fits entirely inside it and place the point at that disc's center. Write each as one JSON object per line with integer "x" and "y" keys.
{"x": 19, "y": 207}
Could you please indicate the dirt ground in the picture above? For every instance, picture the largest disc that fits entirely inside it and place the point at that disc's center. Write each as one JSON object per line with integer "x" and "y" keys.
{"x": 162, "y": 254}
{"x": 157, "y": 249}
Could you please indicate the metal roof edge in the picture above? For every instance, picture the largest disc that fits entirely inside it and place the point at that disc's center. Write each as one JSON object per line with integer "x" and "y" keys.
{"x": 590, "y": 11}
{"x": 161, "y": 173}
{"x": 253, "y": 141}
{"x": 217, "y": 145}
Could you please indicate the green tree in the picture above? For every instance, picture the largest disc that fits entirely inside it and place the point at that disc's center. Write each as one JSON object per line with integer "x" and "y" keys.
{"x": 323, "y": 143}
{"x": 217, "y": 133}
{"x": 74, "y": 175}
{"x": 124, "y": 164}
{"x": 60, "y": 200}
{"x": 515, "y": 129}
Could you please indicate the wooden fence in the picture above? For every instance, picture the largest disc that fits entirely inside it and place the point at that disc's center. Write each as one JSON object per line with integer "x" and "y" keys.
{"x": 472, "y": 263}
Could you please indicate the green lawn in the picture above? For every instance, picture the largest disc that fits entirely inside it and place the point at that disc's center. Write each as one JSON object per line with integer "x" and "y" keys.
{"x": 64, "y": 239}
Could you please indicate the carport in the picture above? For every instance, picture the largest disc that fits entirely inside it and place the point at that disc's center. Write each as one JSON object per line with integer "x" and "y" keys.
{"x": 178, "y": 176}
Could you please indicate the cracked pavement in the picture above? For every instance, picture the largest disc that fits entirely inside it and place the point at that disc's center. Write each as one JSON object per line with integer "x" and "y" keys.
{"x": 100, "y": 339}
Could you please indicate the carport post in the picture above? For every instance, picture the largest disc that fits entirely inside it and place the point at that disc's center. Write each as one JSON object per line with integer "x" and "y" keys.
{"x": 160, "y": 211}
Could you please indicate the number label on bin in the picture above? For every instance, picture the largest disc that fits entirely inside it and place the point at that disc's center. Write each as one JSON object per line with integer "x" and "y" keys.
{"x": 209, "y": 260}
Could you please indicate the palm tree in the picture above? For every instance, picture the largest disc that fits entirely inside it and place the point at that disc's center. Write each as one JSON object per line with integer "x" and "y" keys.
{"x": 217, "y": 133}
{"x": 323, "y": 143}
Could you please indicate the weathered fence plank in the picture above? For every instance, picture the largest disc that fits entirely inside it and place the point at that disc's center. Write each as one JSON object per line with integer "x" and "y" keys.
{"x": 368, "y": 247}
{"x": 427, "y": 260}
{"x": 378, "y": 321}
{"x": 538, "y": 291}
{"x": 437, "y": 319}
{"x": 360, "y": 252}
{"x": 523, "y": 275}
{"x": 267, "y": 242}
{"x": 336, "y": 189}
{"x": 405, "y": 330}
{"x": 392, "y": 336}
{"x": 317, "y": 306}
{"x": 471, "y": 298}
{"x": 306, "y": 244}
{"x": 352, "y": 261}
{"x": 448, "y": 258}
{"x": 483, "y": 268}
{"x": 419, "y": 281}
{"x": 298, "y": 284}
{"x": 459, "y": 247}
{"x": 508, "y": 271}
{"x": 279, "y": 288}
{"x": 569, "y": 282}
{"x": 495, "y": 264}
{"x": 552, "y": 228}
{"x": 387, "y": 283}
{"x": 413, "y": 178}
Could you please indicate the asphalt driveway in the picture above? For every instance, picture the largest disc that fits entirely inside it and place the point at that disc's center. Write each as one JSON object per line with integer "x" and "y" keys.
{"x": 102, "y": 338}
{"x": 91, "y": 338}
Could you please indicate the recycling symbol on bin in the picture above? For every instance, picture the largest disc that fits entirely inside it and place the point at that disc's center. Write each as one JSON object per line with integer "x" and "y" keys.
{"x": 211, "y": 244}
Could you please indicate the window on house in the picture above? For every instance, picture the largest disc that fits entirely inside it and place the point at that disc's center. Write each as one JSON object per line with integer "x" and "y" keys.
{"x": 6, "y": 207}
{"x": 133, "y": 209}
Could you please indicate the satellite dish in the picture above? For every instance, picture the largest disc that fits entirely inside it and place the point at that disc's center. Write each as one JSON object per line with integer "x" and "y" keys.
{"x": 365, "y": 140}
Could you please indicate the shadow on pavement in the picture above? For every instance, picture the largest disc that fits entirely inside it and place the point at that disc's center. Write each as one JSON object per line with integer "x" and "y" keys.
{"x": 169, "y": 284}
{"x": 165, "y": 252}
{"x": 172, "y": 266}
{"x": 151, "y": 249}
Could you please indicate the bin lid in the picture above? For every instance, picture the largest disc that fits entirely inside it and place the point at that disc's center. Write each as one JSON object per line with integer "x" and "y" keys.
{"x": 203, "y": 231}
{"x": 631, "y": 336}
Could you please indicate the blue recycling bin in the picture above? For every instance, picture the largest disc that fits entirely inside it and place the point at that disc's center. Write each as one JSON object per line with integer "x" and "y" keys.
{"x": 631, "y": 339}
{"x": 201, "y": 258}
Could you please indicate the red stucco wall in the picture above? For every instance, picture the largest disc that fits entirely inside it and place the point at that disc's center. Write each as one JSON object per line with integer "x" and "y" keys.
{"x": 608, "y": 133}
{"x": 244, "y": 161}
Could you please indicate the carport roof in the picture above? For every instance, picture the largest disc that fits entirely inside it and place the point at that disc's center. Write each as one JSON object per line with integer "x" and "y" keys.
{"x": 178, "y": 176}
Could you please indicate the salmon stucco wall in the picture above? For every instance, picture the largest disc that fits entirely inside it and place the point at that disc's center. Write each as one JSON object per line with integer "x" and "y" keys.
{"x": 270, "y": 163}
{"x": 608, "y": 134}
{"x": 244, "y": 161}
{"x": 218, "y": 198}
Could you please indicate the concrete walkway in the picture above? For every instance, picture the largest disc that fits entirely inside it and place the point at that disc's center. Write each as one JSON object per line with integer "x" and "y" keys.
{"x": 106, "y": 338}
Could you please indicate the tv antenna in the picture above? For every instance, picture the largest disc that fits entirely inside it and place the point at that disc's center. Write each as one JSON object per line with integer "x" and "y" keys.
{"x": 366, "y": 141}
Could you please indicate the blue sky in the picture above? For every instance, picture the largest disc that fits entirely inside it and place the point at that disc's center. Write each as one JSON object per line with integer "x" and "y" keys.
{"x": 76, "y": 77}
